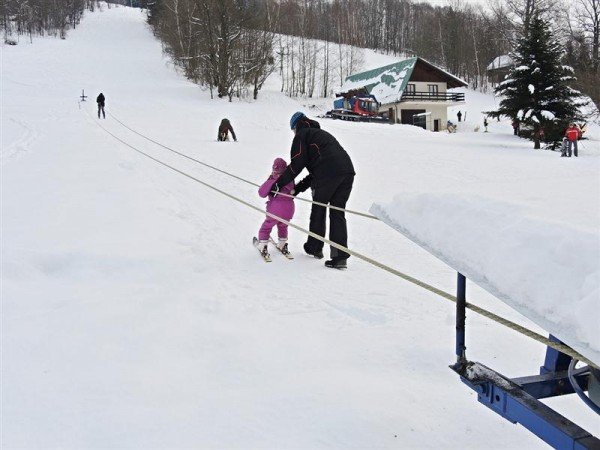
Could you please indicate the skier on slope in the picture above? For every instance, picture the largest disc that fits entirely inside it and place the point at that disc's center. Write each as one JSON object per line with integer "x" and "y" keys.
{"x": 100, "y": 100}
{"x": 331, "y": 175}
{"x": 224, "y": 129}
{"x": 281, "y": 206}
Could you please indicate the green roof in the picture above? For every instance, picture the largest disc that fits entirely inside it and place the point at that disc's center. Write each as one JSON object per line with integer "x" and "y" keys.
{"x": 386, "y": 83}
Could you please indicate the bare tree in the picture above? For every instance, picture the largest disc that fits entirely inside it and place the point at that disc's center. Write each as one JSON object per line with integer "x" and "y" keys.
{"x": 588, "y": 17}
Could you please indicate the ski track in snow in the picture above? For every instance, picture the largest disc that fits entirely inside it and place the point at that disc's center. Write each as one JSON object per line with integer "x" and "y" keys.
{"x": 136, "y": 314}
{"x": 21, "y": 144}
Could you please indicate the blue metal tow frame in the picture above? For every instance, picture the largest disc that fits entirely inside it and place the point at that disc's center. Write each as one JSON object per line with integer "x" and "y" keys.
{"x": 517, "y": 399}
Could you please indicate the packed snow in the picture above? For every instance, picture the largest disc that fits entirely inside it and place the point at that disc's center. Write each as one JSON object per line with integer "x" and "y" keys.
{"x": 137, "y": 314}
{"x": 548, "y": 271}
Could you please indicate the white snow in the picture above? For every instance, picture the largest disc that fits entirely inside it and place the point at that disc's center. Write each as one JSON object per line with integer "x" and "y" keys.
{"x": 549, "y": 115}
{"x": 136, "y": 313}
{"x": 531, "y": 88}
{"x": 548, "y": 271}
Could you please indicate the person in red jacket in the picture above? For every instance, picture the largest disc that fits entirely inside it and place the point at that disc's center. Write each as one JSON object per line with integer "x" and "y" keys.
{"x": 573, "y": 134}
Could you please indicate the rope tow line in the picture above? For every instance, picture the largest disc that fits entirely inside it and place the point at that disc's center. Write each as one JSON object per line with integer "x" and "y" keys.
{"x": 358, "y": 213}
{"x": 507, "y": 323}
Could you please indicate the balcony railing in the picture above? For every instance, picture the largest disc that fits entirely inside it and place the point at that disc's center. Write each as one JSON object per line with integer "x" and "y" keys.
{"x": 433, "y": 97}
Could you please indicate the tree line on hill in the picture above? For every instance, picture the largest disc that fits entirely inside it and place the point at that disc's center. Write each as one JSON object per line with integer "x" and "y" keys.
{"x": 41, "y": 17}
{"x": 313, "y": 40}
{"x": 231, "y": 46}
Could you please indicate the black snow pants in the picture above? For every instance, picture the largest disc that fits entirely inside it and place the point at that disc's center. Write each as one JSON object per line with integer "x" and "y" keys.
{"x": 101, "y": 108}
{"x": 336, "y": 192}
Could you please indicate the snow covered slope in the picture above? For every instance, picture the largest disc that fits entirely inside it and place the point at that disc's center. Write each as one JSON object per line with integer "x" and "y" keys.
{"x": 136, "y": 314}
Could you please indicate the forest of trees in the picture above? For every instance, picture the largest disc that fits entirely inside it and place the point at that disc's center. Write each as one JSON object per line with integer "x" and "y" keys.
{"x": 231, "y": 46}
{"x": 225, "y": 45}
{"x": 41, "y": 17}
{"x": 313, "y": 40}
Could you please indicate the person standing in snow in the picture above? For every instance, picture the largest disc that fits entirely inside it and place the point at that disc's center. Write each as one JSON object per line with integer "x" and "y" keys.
{"x": 572, "y": 134}
{"x": 515, "y": 125}
{"x": 280, "y": 205}
{"x": 459, "y": 115}
{"x": 224, "y": 129}
{"x": 331, "y": 175}
{"x": 563, "y": 147}
{"x": 485, "y": 124}
{"x": 100, "y": 100}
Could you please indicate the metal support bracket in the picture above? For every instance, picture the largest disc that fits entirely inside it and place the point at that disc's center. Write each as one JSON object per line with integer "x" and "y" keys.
{"x": 508, "y": 399}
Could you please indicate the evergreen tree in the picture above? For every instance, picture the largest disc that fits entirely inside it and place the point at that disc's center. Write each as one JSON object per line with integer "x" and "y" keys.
{"x": 536, "y": 91}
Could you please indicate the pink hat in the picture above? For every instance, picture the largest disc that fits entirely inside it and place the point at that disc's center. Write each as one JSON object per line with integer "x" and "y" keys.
{"x": 279, "y": 165}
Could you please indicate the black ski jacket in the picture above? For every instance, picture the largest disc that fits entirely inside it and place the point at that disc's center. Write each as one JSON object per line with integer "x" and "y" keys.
{"x": 225, "y": 127}
{"x": 317, "y": 151}
{"x": 100, "y": 100}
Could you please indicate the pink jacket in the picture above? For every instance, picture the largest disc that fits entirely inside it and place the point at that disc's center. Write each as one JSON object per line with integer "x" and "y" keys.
{"x": 280, "y": 205}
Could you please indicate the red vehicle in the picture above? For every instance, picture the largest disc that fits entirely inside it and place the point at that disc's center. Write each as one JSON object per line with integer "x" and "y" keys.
{"x": 357, "y": 108}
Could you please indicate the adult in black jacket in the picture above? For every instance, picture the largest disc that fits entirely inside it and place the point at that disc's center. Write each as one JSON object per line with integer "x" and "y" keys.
{"x": 331, "y": 175}
{"x": 100, "y": 100}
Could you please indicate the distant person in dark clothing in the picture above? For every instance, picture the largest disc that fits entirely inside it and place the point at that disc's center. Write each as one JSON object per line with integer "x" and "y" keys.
{"x": 331, "y": 175}
{"x": 459, "y": 115}
{"x": 485, "y": 124}
{"x": 224, "y": 129}
{"x": 100, "y": 100}
{"x": 515, "y": 125}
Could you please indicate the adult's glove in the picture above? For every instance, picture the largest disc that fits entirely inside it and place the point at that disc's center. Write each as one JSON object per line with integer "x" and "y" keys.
{"x": 304, "y": 184}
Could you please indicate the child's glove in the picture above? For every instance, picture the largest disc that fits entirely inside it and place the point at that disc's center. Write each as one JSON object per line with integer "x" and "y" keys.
{"x": 275, "y": 190}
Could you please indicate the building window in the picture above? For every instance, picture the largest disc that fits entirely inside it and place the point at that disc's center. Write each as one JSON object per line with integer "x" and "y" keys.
{"x": 411, "y": 88}
{"x": 433, "y": 89}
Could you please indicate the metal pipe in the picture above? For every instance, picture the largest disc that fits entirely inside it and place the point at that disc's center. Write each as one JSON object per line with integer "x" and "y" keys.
{"x": 461, "y": 302}
{"x": 578, "y": 390}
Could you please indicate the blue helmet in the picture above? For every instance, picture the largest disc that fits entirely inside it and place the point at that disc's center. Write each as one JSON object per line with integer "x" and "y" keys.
{"x": 295, "y": 118}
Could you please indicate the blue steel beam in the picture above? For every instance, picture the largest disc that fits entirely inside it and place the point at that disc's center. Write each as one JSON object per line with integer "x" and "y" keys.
{"x": 461, "y": 305}
{"x": 551, "y": 384}
{"x": 555, "y": 361}
{"x": 508, "y": 399}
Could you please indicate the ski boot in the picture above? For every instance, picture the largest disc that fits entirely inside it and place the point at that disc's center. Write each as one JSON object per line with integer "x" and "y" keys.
{"x": 337, "y": 263}
{"x": 317, "y": 254}
{"x": 283, "y": 246}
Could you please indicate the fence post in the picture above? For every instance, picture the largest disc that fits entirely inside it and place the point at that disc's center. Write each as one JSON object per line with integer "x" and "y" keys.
{"x": 461, "y": 302}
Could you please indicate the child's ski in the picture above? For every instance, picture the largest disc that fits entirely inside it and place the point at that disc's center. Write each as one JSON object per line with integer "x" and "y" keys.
{"x": 265, "y": 254}
{"x": 285, "y": 253}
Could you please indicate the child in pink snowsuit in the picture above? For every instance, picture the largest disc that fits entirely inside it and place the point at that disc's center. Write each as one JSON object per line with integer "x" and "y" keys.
{"x": 278, "y": 205}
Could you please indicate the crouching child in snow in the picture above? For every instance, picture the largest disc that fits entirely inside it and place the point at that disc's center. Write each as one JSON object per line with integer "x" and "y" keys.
{"x": 279, "y": 205}
{"x": 563, "y": 147}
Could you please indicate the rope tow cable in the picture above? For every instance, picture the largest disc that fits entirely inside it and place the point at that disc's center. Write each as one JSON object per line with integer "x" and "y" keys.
{"x": 349, "y": 211}
{"x": 507, "y": 323}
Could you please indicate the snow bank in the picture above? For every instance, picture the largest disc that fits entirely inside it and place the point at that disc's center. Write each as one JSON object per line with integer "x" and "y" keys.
{"x": 548, "y": 272}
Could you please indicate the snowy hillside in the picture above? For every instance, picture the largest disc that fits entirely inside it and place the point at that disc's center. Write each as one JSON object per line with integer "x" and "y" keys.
{"x": 136, "y": 314}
